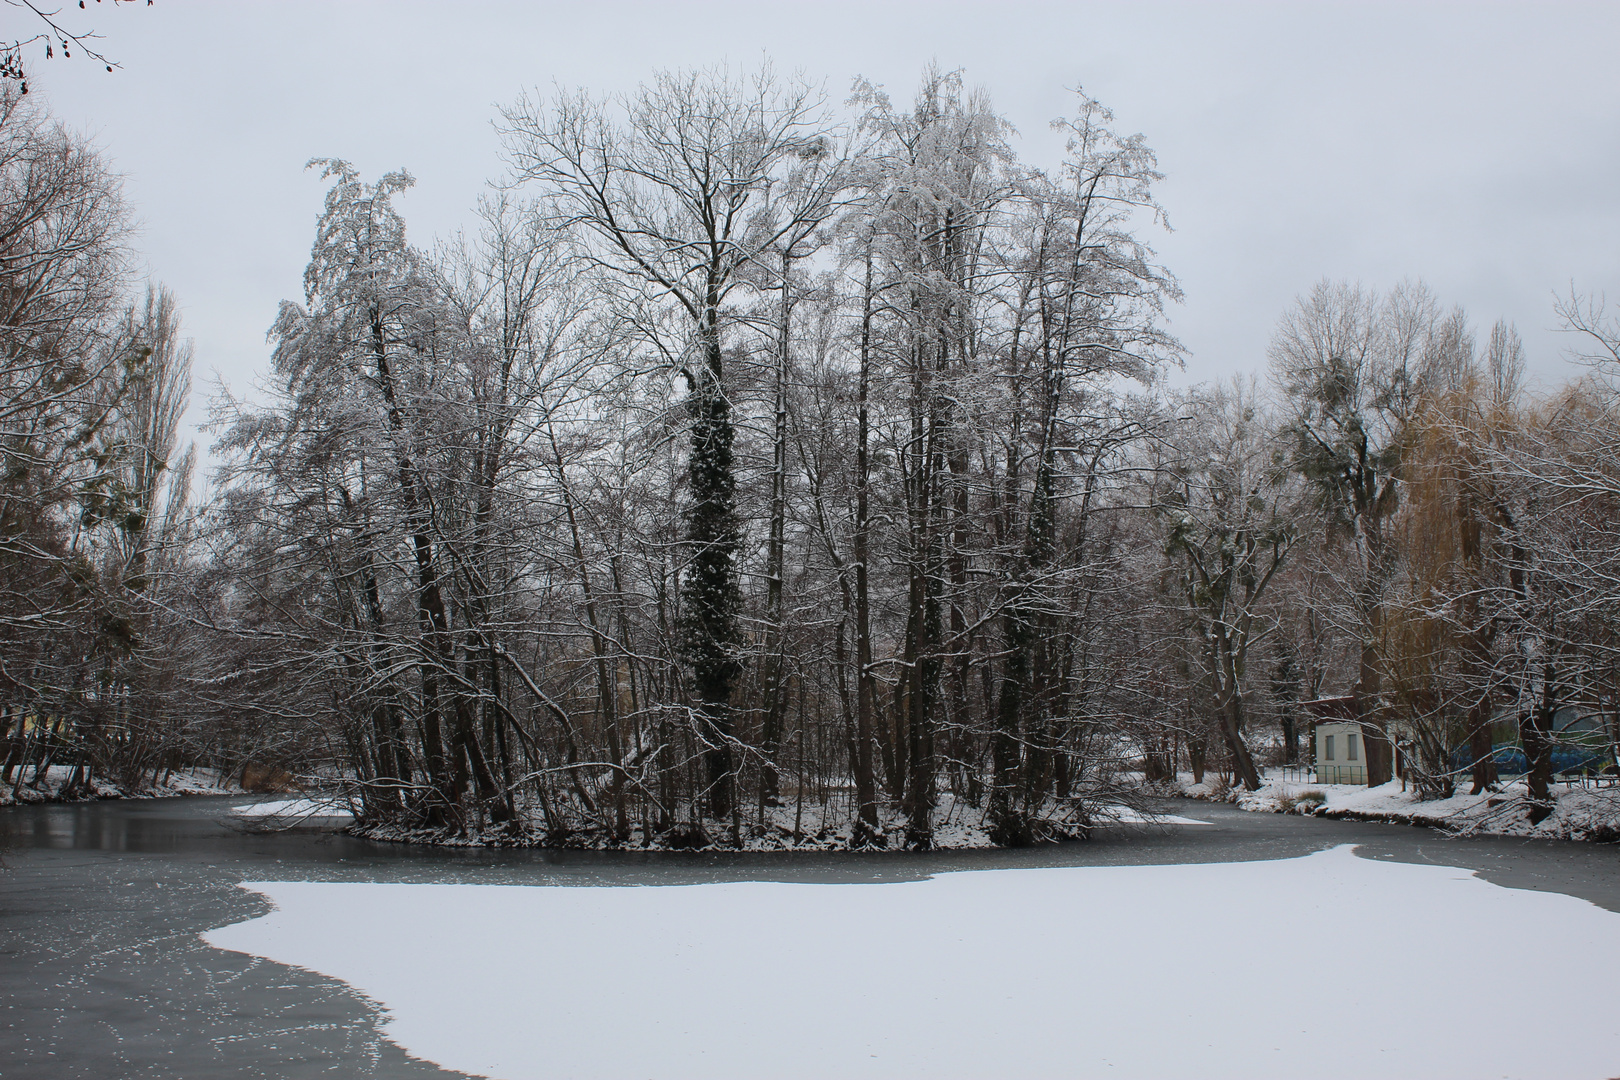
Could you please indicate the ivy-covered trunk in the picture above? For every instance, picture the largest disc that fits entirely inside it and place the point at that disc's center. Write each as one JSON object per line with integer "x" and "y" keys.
{"x": 709, "y": 591}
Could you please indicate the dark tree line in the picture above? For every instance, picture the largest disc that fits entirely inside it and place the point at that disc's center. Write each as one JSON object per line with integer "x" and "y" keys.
{"x": 93, "y": 482}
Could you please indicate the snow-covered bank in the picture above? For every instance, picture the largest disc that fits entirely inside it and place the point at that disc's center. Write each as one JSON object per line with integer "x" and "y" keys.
{"x": 294, "y": 811}
{"x": 49, "y": 786}
{"x": 1143, "y": 971}
{"x": 958, "y": 826}
{"x": 1579, "y": 813}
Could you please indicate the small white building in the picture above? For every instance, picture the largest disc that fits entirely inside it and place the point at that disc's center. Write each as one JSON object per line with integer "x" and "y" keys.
{"x": 1340, "y": 753}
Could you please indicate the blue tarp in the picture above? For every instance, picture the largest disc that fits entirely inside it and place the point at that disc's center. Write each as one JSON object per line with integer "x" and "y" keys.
{"x": 1510, "y": 759}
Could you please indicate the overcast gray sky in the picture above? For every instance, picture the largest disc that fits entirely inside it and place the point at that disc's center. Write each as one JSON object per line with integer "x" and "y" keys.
{"x": 1476, "y": 146}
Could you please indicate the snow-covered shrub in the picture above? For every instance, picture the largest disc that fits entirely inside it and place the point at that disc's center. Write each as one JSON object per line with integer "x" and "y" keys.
{"x": 1306, "y": 802}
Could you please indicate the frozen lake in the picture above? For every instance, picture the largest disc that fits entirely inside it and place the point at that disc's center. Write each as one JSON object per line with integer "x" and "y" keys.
{"x": 1119, "y": 956}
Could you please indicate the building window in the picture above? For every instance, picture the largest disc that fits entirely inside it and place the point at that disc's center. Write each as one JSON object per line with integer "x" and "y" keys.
{"x": 1350, "y": 748}
{"x": 1329, "y": 755}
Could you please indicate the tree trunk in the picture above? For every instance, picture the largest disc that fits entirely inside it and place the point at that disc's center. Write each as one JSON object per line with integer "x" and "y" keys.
{"x": 1480, "y": 746}
{"x": 867, "y": 831}
{"x": 710, "y": 594}
{"x": 1008, "y": 827}
{"x": 774, "y": 704}
{"x": 1536, "y": 732}
{"x": 1365, "y": 704}
{"x": 1231, "y": 719}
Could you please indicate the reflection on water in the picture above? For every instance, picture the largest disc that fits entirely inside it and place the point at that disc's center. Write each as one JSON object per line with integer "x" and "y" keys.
{"x": 201, "y": 830}
{"x": 100, "y": 827}
{"x": 155, "y": 825}
{"x": 203, "y": 826}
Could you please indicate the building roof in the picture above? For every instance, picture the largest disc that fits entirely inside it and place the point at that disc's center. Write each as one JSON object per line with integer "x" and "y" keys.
{"x": 1331, "y": 708}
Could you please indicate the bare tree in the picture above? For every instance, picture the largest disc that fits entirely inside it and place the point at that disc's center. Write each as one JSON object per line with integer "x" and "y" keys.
{"x": 924, "y": 422}
{"x": 1231, "y": 516}
{"x": 51, "y": 35}
{"x": 671, "y": 196}
{"x": 1350, "y": 366}
{"x": 93, "y": 485}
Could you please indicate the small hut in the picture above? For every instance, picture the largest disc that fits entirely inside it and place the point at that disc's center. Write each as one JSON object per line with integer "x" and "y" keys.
{"x": 1340, "y": 753}
{"x": 1341, "y": 749}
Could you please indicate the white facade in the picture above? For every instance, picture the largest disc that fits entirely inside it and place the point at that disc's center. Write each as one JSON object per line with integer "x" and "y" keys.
{"x": 1341, "y": 753}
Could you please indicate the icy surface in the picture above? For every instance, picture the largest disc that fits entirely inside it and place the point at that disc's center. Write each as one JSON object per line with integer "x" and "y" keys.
{"x": 1324, "y": 966}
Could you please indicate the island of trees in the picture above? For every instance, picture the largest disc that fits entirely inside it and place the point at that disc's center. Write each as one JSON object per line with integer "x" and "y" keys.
{"x": 760, "y": 467}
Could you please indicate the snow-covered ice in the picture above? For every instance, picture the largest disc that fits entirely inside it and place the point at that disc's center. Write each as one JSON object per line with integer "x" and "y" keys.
{"x": 1325, "y": 966}
{"x": 287, "y": 809}
{"x": 1124, "y": 815}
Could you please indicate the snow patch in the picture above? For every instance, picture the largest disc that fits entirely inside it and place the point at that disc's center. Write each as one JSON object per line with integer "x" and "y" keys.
{"x": 1142, "y": 971}
{"x": 50, "y": 784}
{"x": 1124, "y": 815}
{"x": 1579, "y": 813}
{"x": 293, "y": 810}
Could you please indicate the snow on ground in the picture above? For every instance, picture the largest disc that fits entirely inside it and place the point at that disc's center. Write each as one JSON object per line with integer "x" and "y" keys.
{"x": 47, "y": 786}
{"x": 1579, "y": 813}
{"x": 1325, "y": 966}
{"x": 293, "y": 809}
{"x": 1124, "y": 815}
